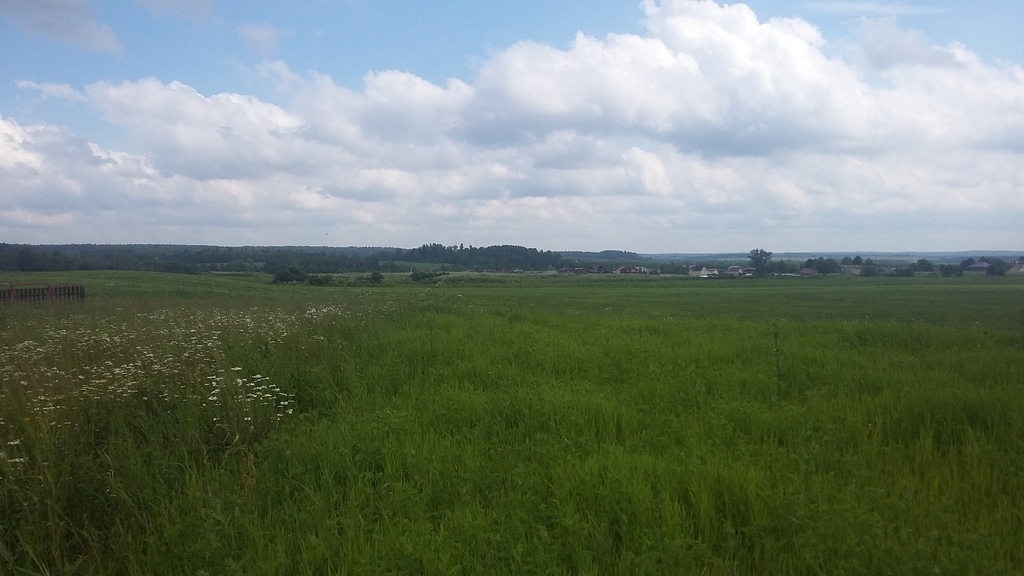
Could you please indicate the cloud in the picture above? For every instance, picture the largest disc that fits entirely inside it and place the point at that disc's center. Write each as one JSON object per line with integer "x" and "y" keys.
{"x": 221, "y": 136}
{"x": 193, "y": 9}
{"x": 712, "y": 131}
{"x": 650, "y": 169}
{"x": 70, "y": 21}
{"x": 262, "y": 38}
{"x": 53, "y": 183}
{"x": 883, "y": 44}
{"x": 47, "y": 89}
{"x": 46, "y": 174}
{"x": 708, "y": 78}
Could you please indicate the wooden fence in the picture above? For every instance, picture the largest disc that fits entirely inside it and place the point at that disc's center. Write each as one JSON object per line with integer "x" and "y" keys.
{"x": 38, "y": 291}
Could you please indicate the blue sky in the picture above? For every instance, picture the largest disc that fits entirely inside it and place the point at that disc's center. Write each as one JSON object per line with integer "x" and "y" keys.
{"x": 659, "y": 126}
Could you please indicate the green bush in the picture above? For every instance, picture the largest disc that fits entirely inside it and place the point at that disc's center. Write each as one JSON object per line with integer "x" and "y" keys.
{"x": 289, "y": 274}
{"x": 319, "y": 280}
{"x": 426, "y": 276}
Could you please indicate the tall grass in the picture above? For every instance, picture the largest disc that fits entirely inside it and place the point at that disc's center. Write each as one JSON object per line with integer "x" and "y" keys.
{"x": 534, "y": 426}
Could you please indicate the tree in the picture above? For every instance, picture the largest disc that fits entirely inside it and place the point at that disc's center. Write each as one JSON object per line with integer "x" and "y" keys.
{"x": 827, "y": 266}
{"x": 925, "y": 266}
{"x": 950, "y": 270}
{"x": 996, "y": 267}
{"x": 783, "y": 267}
{"x": 760, "y": 259}
{"x": 823, "y": 265}
{"x": 289, "y": 274}
{"x": 846, "y": 261}
{"x": 857, "y": 260}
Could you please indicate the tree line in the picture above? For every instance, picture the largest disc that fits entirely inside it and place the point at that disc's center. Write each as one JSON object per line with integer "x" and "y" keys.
{"x": 454, "y": 258}
{"x": 270, "y": 260}
{"x": 761, "y": 260}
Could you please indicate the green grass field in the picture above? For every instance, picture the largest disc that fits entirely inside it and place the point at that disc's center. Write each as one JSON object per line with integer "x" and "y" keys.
{"x": 518, "y": 424}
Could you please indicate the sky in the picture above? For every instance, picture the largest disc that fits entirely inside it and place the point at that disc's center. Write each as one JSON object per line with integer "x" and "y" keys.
{"x": 654, "y": 126}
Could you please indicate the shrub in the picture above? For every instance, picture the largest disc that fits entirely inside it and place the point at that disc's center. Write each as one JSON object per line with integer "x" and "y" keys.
{"x": 320, "y": 280}
{"x": 426, "y": 276}
{"x": 290, "y": 274}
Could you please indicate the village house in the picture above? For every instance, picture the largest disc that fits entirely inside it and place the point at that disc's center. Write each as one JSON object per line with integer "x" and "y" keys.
{"x": 702, "y": 271}
{"x": 740, "y": 272}
{"x": 852, "y": 270}
{"x": 978, "y": 268}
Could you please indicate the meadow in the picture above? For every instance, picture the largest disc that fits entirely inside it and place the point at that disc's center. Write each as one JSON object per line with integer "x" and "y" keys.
{"x": 514, "y": 424}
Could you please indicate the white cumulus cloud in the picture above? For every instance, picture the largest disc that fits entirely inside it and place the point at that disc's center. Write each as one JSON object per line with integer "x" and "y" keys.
{"x": 49, "y": 89}
{"x": 713, "y": 130}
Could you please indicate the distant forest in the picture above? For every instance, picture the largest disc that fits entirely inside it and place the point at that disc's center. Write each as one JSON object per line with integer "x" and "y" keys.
{"x": 270, "y": 260}
{"x": 436, "y": 257}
